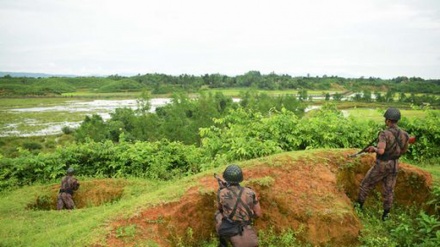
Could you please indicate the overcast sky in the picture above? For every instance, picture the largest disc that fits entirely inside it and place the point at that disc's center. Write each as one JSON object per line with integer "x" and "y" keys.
{"x": 349, "y": 38}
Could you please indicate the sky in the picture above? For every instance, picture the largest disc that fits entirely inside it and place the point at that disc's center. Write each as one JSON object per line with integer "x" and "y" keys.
{"x": 369, "y": 38}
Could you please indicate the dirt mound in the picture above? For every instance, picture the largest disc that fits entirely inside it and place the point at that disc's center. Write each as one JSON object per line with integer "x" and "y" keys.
{"x": 307, "y": 195}
{"x": 412, "y": 187}
{"x": 90, "y": 194}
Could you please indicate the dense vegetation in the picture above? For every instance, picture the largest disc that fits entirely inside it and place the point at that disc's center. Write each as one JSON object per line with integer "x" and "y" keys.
{"x": 165, "y": 84}
{"x": 194, "y": 134}
{"x": 190, "y": 135}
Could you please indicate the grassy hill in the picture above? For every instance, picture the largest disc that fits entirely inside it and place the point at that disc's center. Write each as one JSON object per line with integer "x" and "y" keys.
{"x": 306, "y": 198}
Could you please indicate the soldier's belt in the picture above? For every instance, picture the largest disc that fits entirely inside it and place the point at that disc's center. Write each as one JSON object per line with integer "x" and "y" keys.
{"x": 69, "y": 191}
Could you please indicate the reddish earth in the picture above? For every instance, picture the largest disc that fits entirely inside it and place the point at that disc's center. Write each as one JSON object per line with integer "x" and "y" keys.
{"x": 92, "y": 193}
{"x": 313, "y": 193}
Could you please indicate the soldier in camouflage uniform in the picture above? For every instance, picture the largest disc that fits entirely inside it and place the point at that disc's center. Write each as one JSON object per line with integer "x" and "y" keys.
{"x": 392, "y": 143}
{"x": 69, "y": 184}
{"x": 247, "y": 208}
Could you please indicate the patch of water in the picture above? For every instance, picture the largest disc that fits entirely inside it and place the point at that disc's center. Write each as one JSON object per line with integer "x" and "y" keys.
{"x": 100, "y": 107}
{"x": 94, "y": 106}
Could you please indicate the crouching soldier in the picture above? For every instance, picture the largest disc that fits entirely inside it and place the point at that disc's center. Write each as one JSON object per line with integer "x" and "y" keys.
{"x": 237, "y": 207}
{"x": 69, "y": 184}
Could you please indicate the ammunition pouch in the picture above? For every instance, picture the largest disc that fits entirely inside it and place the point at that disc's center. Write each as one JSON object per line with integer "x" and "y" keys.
{"x": 387, "y": 158}
{"x": 229, "y": 228}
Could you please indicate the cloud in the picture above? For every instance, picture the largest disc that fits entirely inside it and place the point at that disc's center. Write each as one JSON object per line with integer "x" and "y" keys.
{"x": 369, "y": 38}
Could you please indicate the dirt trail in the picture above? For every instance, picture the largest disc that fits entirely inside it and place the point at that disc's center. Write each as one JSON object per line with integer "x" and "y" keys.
{"x": 312, "y": 194}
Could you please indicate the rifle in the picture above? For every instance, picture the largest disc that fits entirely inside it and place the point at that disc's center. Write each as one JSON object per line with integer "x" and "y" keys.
{"x": 411, "y": 140}
{"x": 363, "y": 150}
{"x": 221, "y": 183}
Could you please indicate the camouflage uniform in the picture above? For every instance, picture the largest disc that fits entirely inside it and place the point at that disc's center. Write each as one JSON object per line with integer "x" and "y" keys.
{"x": 226, "y": 202}
{"x": 68, "y": 185}
{"x": 386, "y": 166}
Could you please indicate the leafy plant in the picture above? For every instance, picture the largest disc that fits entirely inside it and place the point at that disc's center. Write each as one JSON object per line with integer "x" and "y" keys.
{"x": 435, "y": 201}
{"x": 286, "y": 238}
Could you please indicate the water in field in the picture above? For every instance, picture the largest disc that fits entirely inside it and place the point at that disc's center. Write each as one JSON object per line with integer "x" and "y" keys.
{"x": 34, "y": 121}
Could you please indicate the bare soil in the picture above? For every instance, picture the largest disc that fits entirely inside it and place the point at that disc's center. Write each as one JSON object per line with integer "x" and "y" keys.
{"x": 312, "y": 195}
{"x": 91, "y": 194}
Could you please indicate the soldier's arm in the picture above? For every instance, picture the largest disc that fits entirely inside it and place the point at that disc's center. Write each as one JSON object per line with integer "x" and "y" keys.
{"x": 257, "y": 210}
{"x": 406, "y": 144}
{"x": 381, "y": 145}
{"x": 219, "y": 205}
{"x": 75, "y": 185}
{"x": 257, "y": 207}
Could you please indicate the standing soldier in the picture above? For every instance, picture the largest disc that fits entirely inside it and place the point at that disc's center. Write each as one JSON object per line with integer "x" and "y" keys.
{"x": 69, "y": 184}
{"x": 392, "y": 143}
{"x": 238, "y": 206}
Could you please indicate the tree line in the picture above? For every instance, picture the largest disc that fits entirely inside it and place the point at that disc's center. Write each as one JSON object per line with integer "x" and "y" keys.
{"x": 164, "y": 84}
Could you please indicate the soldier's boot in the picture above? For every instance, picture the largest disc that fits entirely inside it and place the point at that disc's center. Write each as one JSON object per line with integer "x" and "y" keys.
{"x": 385, "y": 214}
{"x": 223, "y": 242}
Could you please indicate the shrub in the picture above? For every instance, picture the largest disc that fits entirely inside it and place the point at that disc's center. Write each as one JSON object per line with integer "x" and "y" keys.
{"x": 32, "y": 146}
{"x": 67, "y": 130}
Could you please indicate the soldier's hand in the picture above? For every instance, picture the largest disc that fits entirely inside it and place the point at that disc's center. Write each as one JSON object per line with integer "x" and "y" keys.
{"x": 371, "y": 149}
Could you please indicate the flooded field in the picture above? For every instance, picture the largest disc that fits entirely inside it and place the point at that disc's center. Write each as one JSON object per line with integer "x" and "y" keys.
{"x": 45, "y": 117}
{"x": 49, "y": 120}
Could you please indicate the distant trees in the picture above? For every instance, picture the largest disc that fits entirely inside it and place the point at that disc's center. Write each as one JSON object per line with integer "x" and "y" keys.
{"x": 167, "y": 84}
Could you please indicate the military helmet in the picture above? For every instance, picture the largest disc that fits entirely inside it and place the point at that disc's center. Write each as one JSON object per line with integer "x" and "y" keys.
{"x": 70, "y": 170}
{"x": 392, "y": 114}
{"x": 233, "y": 174}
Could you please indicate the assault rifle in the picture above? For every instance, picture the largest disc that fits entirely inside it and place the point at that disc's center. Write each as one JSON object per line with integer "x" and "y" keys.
{"x": 411, "y": 140}
{"x": 363, "y": 150}
{"x": 221, "y": 183}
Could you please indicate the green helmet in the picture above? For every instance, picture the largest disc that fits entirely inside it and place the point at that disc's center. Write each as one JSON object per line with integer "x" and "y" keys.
{"x": 233, "y": 174}
{"x": 392, "y": 114}
{"x": 70, "y": 170}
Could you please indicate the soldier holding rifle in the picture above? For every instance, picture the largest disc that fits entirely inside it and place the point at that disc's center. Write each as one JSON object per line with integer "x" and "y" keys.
{"x": 392, "y": 143}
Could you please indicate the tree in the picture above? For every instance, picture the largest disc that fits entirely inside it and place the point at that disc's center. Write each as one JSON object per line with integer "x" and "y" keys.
{"x": 302, "y": 95}
{"x": 143, "y": 103}
{"x": 93, "y": 128}
{"x": 337, "y": 96}
{"x": 389, "y": 96}
{"x": 366, "y": 96}
{"x": 379, "y": 97}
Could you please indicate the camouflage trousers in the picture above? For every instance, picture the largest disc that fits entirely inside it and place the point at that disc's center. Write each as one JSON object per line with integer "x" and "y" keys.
{"x": 248, "y": 238}
{"x": 385, "y": 172}
{"x": 65, "y": 200}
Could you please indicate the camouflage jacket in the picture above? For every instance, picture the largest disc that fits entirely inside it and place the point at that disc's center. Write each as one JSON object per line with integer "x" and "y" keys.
{"x": 227, "y": 199}
{"x": 69, "y": 184}
{"x": 396, "y": 143}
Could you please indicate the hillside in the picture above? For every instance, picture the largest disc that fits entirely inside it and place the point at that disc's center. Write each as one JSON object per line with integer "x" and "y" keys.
{"x": 308, "y": 192}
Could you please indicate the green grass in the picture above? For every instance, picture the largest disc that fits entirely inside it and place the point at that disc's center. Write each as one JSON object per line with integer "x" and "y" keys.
{"x": 435, "y": 172}
{"x": 376, "y": 114}
{"x": 235, "y": 92}
{"x": 91, "y": 94}
{"x": 22, "y": 227}
{"x": 26, "y": 102}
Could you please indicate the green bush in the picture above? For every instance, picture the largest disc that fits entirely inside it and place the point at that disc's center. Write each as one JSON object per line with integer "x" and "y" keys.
{"x": 67, "y": 130}
{"x": 427, "y": 131}
{"x": 32, "y": 146}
